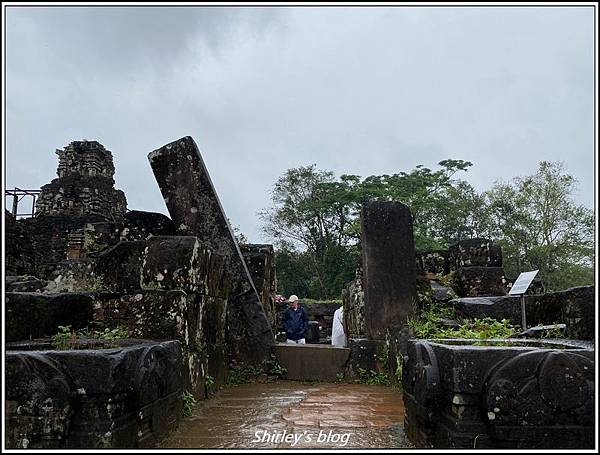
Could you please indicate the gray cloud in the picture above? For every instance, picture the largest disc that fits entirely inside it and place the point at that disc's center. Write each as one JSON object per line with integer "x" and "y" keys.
{"x": 355, "y": 90}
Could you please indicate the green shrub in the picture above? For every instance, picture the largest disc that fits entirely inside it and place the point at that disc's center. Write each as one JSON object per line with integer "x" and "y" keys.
{"x": 67, "y": 338}
{"x": 64, "y": 338}
{"x": 427, "y": 325}
{"x": 189, "y": 403}
{"x": 245, "y": 375}
{"x": 371, "y": 377}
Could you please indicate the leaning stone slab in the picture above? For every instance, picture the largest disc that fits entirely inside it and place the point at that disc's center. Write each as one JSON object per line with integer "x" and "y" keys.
{"x": 113, "y": 397}
{"x": 389, "y": 269}
{"x": 196, "y": 210}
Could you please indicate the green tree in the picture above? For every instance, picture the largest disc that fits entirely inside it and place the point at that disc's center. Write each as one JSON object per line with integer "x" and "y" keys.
{"x": 539, "y": 226}
{"x": 317, "y": 218}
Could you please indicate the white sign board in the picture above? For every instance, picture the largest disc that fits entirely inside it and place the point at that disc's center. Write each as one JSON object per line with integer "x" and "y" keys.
{"x": 523, "y": 282}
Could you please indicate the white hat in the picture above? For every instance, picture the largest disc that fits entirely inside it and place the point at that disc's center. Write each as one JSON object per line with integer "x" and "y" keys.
{"x": 293, "y": 298}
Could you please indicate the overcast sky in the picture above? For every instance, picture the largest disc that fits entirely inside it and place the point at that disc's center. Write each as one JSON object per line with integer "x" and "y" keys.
{"x": 355, "y": 90}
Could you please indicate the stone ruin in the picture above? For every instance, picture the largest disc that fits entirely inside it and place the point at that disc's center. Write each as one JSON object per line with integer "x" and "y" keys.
{"x": 192, "y": 301}
{"x": 516, "y": 393}
{"x": 85, "y": 184}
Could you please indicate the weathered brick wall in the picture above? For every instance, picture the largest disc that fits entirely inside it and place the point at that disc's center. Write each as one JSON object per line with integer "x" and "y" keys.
{"x": 85, "y": 184}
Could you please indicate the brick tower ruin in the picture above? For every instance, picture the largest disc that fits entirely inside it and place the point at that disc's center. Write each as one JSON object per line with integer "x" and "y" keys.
{"x": 85, "y": 184}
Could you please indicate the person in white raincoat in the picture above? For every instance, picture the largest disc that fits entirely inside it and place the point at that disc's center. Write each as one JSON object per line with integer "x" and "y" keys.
{"x": 338, "y": 336}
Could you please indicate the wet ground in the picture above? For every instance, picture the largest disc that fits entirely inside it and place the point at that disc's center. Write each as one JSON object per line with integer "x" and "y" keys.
{"x": 295, "y": 415}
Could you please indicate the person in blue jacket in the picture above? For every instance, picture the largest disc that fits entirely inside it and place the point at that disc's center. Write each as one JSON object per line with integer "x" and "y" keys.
{"x": 295, "y": 321}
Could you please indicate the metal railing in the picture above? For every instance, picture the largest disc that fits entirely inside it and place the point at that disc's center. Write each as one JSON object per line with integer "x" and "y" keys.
{"x": 17, "y": 197}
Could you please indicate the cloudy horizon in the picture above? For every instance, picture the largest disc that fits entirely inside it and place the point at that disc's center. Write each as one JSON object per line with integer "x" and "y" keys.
{"x": 354, "y": 90}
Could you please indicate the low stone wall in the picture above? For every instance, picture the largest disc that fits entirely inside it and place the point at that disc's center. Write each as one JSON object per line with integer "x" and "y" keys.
{"x": 574, "y": 307}
{"x": 312, "y": 362}
{"x": 117, "y": 398}
{"x": 505, "y": 395}
{"x": 197, "y": 321}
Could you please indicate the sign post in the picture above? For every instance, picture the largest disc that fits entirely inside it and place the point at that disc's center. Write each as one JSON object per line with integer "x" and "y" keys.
{"x": 519, "y": 288}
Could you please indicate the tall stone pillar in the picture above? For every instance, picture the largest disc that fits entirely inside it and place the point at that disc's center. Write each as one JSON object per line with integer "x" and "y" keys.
{"x": 389, "y": 270}
{"x": 196, "y": 210}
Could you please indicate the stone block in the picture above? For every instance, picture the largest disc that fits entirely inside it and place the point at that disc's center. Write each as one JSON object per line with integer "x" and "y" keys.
{"x": 24, "y": 283}
{"x": 123, "y": 397}
{"x": 196, "y": 210}
{"x": 139, "y": 225}
{"x": 197, "y": 321}
{"x": 34, "y": 315}
{"x": 389, "y": 271}
{"x": 119, "y": 268}
{"x": 574, "y": 307}
{"x": 260, "y": 260}
{"x": 364, "y": 355}
{"x": 474, "y": 253}
{"x": 312, "y": 362}
{"x": 182, "y": 262}
{"x": 499, "y": 394}
{"x": 434, "y": 262}
{"x": 312, "y": 333}
{"x": 480, "y": 281}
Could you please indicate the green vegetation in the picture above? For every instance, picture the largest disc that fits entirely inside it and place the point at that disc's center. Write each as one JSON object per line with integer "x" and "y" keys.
{"x": 65, "y": 338}
{"x": 372, "y": 377}
{"x": 189, "y": 403}
{"x": 428, "y": 325}
{"x": 328, "y": 302}
{"x": 314, "y": 221}
{"x": 554, "y": 332}
{"x": 68, "y": 338}
{"x": 95, "y": 283}
{"x": 209, "y": 385}
{"x": 245, "y": 375}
